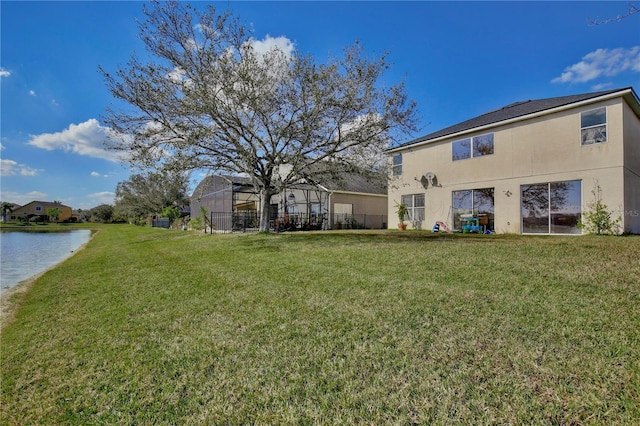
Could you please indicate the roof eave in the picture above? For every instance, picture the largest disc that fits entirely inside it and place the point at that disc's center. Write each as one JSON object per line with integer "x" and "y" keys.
{"x": 372, "y": 194}
{"x": 628, "y": 94}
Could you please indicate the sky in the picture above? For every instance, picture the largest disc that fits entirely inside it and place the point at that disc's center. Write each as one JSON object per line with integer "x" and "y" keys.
{"x": 457, "y": 59}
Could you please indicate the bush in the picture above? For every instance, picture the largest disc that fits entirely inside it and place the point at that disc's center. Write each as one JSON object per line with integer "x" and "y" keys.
{"x": 597, "y": 220}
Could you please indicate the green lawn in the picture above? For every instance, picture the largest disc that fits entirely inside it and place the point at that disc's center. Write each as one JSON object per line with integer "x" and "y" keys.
{"x": 154, "y": 327}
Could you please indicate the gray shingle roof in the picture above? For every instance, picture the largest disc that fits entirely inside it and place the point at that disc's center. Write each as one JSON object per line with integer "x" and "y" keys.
{"x": 333, "y": 180}
{"x": 367, "y": 183}
{"x": 515, "y": 110}
{"x": 344, "y": 178}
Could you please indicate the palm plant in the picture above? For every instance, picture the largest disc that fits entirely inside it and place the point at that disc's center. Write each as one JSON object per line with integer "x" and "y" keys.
{"x": 6, "y": 207}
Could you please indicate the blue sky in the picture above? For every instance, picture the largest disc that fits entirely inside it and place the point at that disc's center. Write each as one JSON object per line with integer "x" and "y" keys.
{"x": 458, "y": 59}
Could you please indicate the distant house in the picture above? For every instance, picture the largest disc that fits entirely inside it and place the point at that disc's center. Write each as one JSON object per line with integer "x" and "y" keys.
{"x": 348, "y": 201}
{"x": 529, "y": 167}
{"x": 38, "y": 211}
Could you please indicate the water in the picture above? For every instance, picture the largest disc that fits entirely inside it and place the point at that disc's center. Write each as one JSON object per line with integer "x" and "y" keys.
{"x": 27, "y": 254}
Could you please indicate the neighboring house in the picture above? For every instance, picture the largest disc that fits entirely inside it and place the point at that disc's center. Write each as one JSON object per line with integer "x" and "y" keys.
{"x": 37, "y": 210}
{"x": 529, "y": 168}
{"x": 346, "y": 202}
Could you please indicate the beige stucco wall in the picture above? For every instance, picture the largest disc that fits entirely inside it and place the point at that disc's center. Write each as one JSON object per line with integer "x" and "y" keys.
{"x": 368, "y": 209}
{"x": 369, "y": 204}
{"x": 631, "y": 211}
{"x": 538, "y": 150}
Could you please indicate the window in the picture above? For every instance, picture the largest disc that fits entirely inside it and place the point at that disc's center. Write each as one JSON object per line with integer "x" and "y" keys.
{"x": 396, "y": 168}
{"x": 477, "y": 203}
{"x": 483, "y": 145}
{"x": 38, "y": 208}
{"x": 593, "y": 126}
{"x": 415, "y": 207}
{"x": 461, "y": 149}
{"x": 551, "y": 208}
{"x": 477, "y": 146}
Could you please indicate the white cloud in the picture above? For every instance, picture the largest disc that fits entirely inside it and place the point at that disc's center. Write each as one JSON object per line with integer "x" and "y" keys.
{"x": 602, "y": 86}
{"x": 86, "y": 138}
{"x": 12, "y": 168}
{"x": 32, "y": 92}
{"x": 22, "y": 199}
{"x": 601, "y": 62}
{"x": 105, "y": 197}
{"x": 178, "y": 75}
{"x": 4, "y": 73}
{"x": 283, "y": 43}
{"x": 95, "y": 174}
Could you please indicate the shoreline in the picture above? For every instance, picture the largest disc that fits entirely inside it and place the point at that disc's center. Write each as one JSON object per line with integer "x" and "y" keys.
{"x": 11, "y": 298}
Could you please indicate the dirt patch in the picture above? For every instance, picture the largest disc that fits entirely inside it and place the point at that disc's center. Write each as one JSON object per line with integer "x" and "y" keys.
{"x": 11, "y": 300}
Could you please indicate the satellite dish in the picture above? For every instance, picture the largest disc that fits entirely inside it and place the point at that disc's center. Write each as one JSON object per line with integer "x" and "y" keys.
{"x": 429, "y": 179}
{"x": 433, "y": 180}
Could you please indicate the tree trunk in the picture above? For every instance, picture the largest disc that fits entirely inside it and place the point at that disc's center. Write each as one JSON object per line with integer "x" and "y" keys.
{"x": 265, "y": 201}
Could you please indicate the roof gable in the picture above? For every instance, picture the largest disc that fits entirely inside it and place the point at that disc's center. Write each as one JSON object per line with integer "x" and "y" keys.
{"x": 46, "y": 204}
{"x": 512, "y": 111}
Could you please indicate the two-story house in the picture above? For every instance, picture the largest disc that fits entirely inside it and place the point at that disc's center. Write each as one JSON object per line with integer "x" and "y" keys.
{"x": 40, "y": 210}
{"x": 530, "y": 167}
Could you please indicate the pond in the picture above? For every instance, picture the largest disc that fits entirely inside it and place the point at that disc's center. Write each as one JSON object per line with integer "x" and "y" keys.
{"x": 25, "y": 254}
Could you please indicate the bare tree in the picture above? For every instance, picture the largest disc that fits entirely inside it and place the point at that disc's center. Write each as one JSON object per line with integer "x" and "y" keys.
{"x": 632, "y": 10}
{"x": 212, "y": 100}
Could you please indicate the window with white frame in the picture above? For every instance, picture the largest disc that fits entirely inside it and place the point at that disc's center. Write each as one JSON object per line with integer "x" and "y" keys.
{"x": 476, "y": 146}
{"x": 593, "y": 126}
{"x": 415, "y": 207}
{"x": 396, "y": 168}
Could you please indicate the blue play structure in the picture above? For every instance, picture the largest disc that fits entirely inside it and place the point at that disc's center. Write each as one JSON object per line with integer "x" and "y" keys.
{"x": 472, "y": 225}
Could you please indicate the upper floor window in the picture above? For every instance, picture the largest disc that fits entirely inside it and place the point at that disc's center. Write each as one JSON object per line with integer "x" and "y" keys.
{"x": 396, "y": 168}
{"x": 593, "y": 126}
{"x": 476, "y": 146}
{"x": 38, "y": 208}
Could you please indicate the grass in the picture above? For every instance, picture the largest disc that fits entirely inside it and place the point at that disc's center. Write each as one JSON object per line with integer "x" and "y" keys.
{"x": 150, "y": 326}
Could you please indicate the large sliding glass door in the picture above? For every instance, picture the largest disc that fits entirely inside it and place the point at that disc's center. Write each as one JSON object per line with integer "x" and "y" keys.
{"x": 551, "y": 208}
{"x": 478, "y": 203}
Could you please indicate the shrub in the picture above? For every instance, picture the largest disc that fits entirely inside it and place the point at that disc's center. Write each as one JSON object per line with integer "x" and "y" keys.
{"x": 597, "y": 220}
